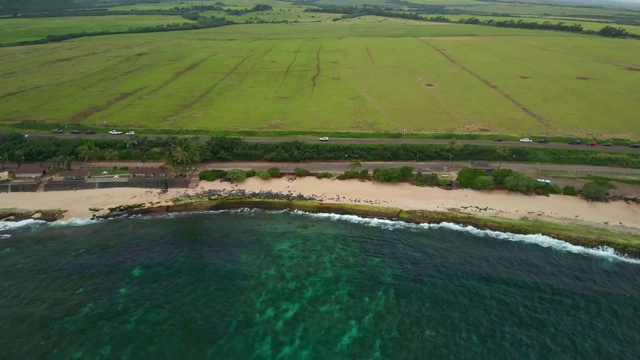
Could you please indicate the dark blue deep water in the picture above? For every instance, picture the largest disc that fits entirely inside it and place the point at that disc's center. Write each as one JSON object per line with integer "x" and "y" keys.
{"x": 258, "y": 285}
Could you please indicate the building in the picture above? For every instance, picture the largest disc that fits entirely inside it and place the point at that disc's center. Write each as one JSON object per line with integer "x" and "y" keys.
{"x": 75, "y": 175}
{"x": 148, "y": 172}
{"x": 30, "y": 171}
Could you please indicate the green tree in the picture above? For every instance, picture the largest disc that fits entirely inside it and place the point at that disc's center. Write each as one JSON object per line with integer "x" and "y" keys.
{"x": 467, "y": 176}
{"x": 183, "y": 155}
{"x": 502, "y": 152}
{"x": 88, "y": 152}
{"x": 236, "y": 175}
{"x": 500, "y": 175}
{"x": 18, "y": 156}
{"x": 300, "y": 172}
{"x": 264, "y": 175}
{"x": 483, "y": 183}
{"x": 453, "y": 146}
{"x": 520, "y": 182}
{"x": 111, "y": 155}
{"x": 596, "y": 190}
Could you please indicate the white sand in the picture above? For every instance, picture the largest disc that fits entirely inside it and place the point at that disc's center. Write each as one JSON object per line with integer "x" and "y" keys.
{"x": 557, "y": 208}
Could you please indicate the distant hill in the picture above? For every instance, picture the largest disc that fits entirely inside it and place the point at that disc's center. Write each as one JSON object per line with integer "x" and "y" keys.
{"x": 14, "y": 7}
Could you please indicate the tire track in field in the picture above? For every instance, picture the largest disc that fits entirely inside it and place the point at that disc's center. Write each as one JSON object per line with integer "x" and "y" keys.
{"x": 373, "y": 62}
{"x": 286, "y": 73}
{"x": 87, "y": 112}
{"x": 20, "y": 91}
{"x": 315, "y": 77}
{"x": 179, "y": 74}
{"x": 537, "y": 117}
{"x": 212, "y": 87}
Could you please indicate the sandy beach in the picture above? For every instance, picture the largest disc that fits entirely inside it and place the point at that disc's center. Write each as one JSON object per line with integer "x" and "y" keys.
{"x": 618, "y": 215}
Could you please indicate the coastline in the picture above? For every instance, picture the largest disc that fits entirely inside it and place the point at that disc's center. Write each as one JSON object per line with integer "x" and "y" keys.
{"x": 575, "y": 220}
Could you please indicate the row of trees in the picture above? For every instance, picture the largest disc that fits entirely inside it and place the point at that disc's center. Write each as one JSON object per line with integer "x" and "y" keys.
{"x": 19, "y": 148}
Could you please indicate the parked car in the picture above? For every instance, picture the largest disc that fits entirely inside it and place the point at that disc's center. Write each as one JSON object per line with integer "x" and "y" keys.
{"x": 575, "y": 142}
{"x": 75, "y": 131}
{"x": 543, "y": 141}
{"x": 324, "y": 138}
{"x": 115, "y": 132}
{"x": 130, "y": 133}
{"x": 592, "y": 143}
{"x": 637, "y": 146}
{"x": 57, "y": 131}
{"x": 88, "y": 132}
{"x": 498, "y": 139}
{"x": 607, "y": 144}
{"x": 526, "y": 140}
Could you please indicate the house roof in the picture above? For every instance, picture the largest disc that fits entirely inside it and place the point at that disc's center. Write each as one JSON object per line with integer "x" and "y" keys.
{"x": 481, "y": 165}
{"x": 31, "y": 169}
{"x": 148, "y": 171}
{"x": 74, "y": 173}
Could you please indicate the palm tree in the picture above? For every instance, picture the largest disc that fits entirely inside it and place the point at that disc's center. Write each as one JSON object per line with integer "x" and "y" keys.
{"x": 453, "y": 147}
{"x": 88, "y": 152}
{"x": 111, "y": 155}
{"x": 183, "y": 154}
{"x": 502, "y": 151}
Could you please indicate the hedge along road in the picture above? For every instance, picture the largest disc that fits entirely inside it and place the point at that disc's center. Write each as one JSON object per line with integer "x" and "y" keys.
{"x": 619, "y": 148}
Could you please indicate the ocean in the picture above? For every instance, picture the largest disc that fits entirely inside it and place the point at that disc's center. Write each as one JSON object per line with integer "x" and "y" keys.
{"x": 290, "y": 285}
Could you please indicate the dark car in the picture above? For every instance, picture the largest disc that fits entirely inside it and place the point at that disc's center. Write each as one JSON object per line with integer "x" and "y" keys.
{"x": 90, "y": 132}
{"x": 637, "y": 146}
{"x": 498, "y": 139}
{"x": 75, "y": 131}
{"x": 543, "y": 141}
{"x": 607, "y": 144}
{"x": 57, "y": 131}
{"x": 575, "y": 142}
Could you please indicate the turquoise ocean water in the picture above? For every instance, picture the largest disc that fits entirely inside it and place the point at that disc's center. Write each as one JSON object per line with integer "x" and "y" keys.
{"x": 260, "y": 285}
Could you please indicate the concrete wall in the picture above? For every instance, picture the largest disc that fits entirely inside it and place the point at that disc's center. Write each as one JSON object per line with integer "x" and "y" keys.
{"x": 149, "y": 183}
{"x": 9, "y": 187}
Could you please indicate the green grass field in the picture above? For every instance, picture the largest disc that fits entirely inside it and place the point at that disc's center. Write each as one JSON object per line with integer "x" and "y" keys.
{"x": 366, "y": 74}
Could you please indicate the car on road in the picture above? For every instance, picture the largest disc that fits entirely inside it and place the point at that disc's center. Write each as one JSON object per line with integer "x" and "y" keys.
{"x": 543, "y": 141}
{"x": 324, "y": 138}
{"x": 130, "y": 133}
{"x": 57, "y": 131}
{"x": 75, "y": 131}
{"x": 498, "y": 139}
{"x": 636, "y": 146}
{"x": 575, "y": 142}
{"x": 115, "y": 132}
{"x": 89, "y": 132}
{"x": 592, "y": 143}
{"x": 526, "y": 140}
{"x": 607, "y": 144}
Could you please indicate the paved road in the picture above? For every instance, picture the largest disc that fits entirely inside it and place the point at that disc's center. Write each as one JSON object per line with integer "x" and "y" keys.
{"x": 307, "y": 139}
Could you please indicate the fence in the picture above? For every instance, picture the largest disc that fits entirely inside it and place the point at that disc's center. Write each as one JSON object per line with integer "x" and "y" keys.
{"x": 164, "y": 183}
{"x": 13, "y": 187}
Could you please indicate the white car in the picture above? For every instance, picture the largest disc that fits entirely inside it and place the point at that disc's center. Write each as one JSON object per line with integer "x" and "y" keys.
{"x": 130, "y": 133}
{"x": 324, "y": 138}
{"x": 526, "y": 140}
{"x": 115, "y": 132}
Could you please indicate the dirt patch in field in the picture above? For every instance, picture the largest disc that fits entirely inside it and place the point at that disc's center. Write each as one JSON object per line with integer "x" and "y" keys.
{"x": 455, "y": 37}
{"x": 284, "y": 97}
{"x": 485, "y": 130}
{"x": 583, "y": 78}
{"x": 631, "y": 68}
{"x": 87, "y": 112}
{"x": 430, "y": 86}
{"x": 453, "y": 70}
{"x": 524, "y": 77}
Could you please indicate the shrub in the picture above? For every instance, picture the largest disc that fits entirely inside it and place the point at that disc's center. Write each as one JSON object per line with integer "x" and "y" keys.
{"x": 596, "y": 190}
{"x": 236, "y": 175}
{"x": 426, "y": 180}
{"x": 124, "y": 168}
{"x": 483, "y": 183}
{"x": 212, "y": 175}
{"x": 520, "y": 182}
{"x": 274, "y": 172}
{"x": 445, "y": 183}
{"x": 569, "y": 190}
{"x": 467, "y": 176}
{"x": 250, "y": 173}
{"x": 351, "y": 174}
{"x": 300, "y": 172}
{"x": 393, "y": 174}
{"x": 324, "y": 175}
{"x": 264, "y": 175}
{"x": 500, "y": 175}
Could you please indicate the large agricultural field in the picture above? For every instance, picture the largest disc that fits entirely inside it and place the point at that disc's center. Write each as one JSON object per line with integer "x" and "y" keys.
{"x": 365, "y": 74}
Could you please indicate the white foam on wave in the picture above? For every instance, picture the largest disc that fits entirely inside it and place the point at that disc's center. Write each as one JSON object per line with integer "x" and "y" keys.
{"x": 537, "y": 239}
{"x": 11, "y": 225}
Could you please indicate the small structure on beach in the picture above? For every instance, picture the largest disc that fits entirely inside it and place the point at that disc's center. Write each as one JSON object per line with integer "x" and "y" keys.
{"x": 75, "y": 175}
{"x": 482, "y": 166}
{"x": 30, "y": 171}
{"x": 149, "y": 172}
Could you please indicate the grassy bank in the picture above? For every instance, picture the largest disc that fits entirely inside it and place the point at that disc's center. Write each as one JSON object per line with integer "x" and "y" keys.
{"x": 589, "y": 237}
